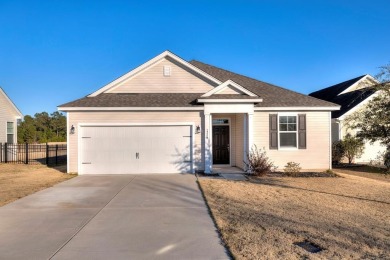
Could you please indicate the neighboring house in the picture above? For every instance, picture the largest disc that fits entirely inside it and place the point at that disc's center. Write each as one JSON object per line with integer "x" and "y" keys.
{"x": 9, "y": 115}
{"x": 169, "y": 115}
{"x": 352, "y": 95}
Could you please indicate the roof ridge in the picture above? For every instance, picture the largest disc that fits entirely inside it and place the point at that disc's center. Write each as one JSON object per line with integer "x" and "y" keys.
{"x": 356, "y": 79}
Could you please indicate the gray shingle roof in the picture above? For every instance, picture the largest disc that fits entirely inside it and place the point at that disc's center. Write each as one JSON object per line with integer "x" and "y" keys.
{"x": 273, "y": 96}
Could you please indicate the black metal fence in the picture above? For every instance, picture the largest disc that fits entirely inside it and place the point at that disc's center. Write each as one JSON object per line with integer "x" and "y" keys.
{"x": 49, "y": 154}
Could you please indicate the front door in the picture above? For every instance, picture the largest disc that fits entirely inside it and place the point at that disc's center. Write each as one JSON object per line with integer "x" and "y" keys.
{"x": 221, "y": 149}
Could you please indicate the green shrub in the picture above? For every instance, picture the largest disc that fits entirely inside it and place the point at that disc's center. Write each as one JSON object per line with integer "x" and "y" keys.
{"x": 258, "y": 164}
{"x": 292, "y": 168}
{"x": 353, "y": 147}
{"x": 337, "y": 152}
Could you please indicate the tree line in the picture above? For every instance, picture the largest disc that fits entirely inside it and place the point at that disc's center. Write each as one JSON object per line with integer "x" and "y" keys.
{"x": 42, "y": 128}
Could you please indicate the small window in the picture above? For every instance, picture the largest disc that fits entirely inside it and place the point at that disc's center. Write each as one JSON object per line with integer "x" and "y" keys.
{"x": 288, "y": 133}
{"x": 10, "y": 132}
{"x": 167, "y": 70}
{"x": 220, "y": 121}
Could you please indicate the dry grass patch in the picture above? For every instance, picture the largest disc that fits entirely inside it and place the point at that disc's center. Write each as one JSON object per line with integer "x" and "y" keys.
{"x": 263, "y": 218}
{"x": 19, "y": 180}
{"x": 366, "y": 171}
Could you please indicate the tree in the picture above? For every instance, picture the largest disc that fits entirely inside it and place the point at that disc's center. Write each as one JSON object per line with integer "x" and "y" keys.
{"x": 373, "y": 121}
{"x": 42, "y": 128}
{"x": 353, "y": 147}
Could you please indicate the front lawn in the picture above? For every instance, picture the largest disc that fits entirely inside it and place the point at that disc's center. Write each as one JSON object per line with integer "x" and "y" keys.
{"x": 366, "y": 171}
{"x": 20, "y": 180}
{"x": 263, "y": 218}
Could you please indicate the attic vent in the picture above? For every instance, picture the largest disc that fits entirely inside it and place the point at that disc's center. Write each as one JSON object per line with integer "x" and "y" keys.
{"x": 167, "y": 70}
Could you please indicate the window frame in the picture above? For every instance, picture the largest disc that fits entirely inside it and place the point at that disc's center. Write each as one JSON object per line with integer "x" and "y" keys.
{"x": 13, "y": 131}
{"x": 296, "y": 131}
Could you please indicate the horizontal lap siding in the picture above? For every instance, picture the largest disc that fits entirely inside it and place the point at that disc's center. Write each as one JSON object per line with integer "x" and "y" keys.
{"x": 317, "y": 154}
{"x": 152, "y": 80}
{"x": 6, "y": 115}
{"x": 116, "y": 117}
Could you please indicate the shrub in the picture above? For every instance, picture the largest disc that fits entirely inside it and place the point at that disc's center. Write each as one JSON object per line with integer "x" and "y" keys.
{"x": 292, "y": 168}
{"x": 337, "y": 152}
{"x": 353, "y": 147}
{"x": 258, "y": 164}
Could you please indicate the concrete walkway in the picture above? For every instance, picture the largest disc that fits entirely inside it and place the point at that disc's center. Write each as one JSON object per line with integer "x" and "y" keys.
{"x": 112, "y": 217}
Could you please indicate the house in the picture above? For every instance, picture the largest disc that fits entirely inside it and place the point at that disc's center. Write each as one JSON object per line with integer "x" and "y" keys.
{"x": 352, "y": 95}
{"x": 9, "y": 115}
{"x": 169, "y": 115}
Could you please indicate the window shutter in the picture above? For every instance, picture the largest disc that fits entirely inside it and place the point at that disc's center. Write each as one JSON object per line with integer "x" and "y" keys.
{"x": 273, "y": 131}
{"x": 302, "y": 131}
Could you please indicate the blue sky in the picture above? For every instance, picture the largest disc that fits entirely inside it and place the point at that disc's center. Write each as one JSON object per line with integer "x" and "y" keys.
{"x": 52, "y": 52}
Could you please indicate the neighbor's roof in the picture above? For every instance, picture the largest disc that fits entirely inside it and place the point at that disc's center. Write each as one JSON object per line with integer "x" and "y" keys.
{"x": 16, "y": 109}
{"x": 273, "y": 96}
{"x": 347, "y": 100}
{"x": 331, "y": 92}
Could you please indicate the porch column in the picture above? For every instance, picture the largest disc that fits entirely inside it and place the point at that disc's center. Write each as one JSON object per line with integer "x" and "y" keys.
{"x": 208, "y": 159}
{"x": 248, "y": 135}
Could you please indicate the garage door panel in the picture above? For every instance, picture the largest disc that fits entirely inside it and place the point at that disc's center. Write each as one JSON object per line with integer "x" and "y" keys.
{"x": 114, "y": 149}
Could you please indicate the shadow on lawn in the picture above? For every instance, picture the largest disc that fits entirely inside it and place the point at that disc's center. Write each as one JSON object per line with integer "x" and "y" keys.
{"x": 273, "y": 182}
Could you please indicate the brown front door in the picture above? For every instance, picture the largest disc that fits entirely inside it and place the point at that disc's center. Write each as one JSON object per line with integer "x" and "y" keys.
{"x": 221, "y": 153}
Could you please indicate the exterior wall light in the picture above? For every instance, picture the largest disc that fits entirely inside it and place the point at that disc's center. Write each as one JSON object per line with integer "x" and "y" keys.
{"x": 72, "y": 130}
{"x": 197, "y": 130}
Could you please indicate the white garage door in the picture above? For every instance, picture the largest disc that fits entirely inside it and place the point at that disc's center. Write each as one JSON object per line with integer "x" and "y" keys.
{"x": 135, "y": 149}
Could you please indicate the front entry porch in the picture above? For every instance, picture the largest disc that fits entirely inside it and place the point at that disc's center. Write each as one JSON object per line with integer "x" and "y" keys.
{"x": 227, "y": 139}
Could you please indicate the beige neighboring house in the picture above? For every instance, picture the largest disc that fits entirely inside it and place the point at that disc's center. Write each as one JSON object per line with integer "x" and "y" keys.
{"x": 172, "y": 116}
{"x": 9, "y": 115}
{"x": 352, "y": 95}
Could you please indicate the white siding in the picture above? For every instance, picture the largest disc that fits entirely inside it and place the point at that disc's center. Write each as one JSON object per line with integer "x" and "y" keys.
{"x": 230, "y": 90}
{"x": 152, "y": 80}
{"x": 315, "y": 157}
{"x": 7, "y": 114}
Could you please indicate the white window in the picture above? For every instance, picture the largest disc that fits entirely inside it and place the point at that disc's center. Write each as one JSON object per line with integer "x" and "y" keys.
{"x": 10, "y": 132}
{"x": 288, "y": 131}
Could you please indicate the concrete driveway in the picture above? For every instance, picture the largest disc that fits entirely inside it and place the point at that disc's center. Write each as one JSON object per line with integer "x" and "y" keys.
{"x": 112, "y": 217}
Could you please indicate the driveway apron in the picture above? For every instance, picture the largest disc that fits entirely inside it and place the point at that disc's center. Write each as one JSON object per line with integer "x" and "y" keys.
{"x": 112, "y": 216}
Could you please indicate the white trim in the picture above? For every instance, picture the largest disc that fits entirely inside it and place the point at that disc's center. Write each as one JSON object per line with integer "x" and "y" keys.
{"x": 296, "y": 131}
{"x": 225, "y": 85}
{"x": 67, "y": 143}
{"x": 200, "y": 108}
{"x": 358, "y": 106}
{"x": 367, "y": 76}
{"x": 190, "y": 124}
{"x": 297, "y": 108}
{"x": 208, "y": 154}
{"x": 330, "y": 140}
{"x": 257, "y": 100}
{"x": 19, "y": 114}
{"x": 149, "y": 63}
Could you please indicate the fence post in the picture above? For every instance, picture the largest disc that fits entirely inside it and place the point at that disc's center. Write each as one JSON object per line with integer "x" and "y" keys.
{"x": 56, "y": 154}
{"x": 5, "y": 153}
{"x": 47, "y": 154}
{"x": 26, "y": 150}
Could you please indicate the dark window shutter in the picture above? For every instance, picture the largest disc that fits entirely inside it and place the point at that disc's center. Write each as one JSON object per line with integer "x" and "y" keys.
{"x": 273, "y": 131}
{"x": 302, "y": 131}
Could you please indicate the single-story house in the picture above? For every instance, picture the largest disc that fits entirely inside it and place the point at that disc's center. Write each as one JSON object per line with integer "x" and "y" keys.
{"x": 170, "y": 115}
{"x": 352, "y": 96}
{"x": 9, "y": 115}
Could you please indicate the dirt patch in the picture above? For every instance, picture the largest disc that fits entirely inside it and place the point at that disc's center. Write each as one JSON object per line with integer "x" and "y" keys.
{"x": 20, "y": 180}
{"x": 266, "y": 218}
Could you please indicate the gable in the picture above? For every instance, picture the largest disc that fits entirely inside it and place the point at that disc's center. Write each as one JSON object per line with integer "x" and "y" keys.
{"x": 153, "y": 80}
{"x": 7, "y": 108}
{"x": 365, "y": 82}
{"x": 230, "y": 90}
